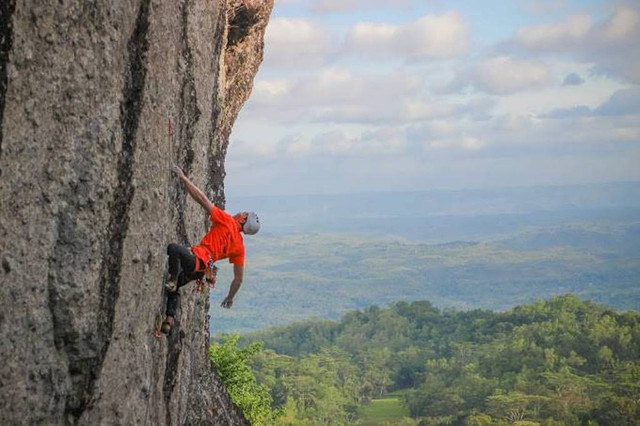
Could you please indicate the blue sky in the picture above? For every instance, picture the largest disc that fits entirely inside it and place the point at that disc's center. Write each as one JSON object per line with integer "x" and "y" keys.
{"x": 380, "y": 95}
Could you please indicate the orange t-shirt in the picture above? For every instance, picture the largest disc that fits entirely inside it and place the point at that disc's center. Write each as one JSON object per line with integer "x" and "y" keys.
{"x": 223, "y": 240}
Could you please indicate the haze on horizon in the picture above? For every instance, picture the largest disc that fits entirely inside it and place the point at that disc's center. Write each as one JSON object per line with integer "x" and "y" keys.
{"x": 361, "y": 96}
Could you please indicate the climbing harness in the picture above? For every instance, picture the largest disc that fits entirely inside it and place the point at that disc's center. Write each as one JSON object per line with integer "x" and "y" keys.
{"x": 210, "y": 275}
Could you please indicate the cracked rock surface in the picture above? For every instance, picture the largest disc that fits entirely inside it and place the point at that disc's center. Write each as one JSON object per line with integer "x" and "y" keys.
{"x": 97, "y": 100}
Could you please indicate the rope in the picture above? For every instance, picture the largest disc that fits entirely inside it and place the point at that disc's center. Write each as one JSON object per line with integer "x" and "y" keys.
{"x": 162, "y": 305}
{"x": 167, "y": 182}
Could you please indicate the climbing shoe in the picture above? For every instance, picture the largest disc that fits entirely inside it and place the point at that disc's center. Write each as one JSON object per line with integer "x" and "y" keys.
{"x": 166, "y": 325}
{"x": 172, "y": 286}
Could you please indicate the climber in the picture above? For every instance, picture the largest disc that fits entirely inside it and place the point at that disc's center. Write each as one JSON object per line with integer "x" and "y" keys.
{"x": 223, "y": 240}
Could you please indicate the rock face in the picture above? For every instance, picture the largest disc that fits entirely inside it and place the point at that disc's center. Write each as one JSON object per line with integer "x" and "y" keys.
{"x": 97, "y": 100}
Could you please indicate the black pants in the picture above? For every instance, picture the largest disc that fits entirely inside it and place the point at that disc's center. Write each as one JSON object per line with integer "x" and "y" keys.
{"x": 182, "y": 264}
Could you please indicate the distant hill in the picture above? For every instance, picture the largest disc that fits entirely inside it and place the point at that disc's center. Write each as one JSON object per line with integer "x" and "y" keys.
{"x": 495, "y": 248}
{"x": 297, "y": 276}
{"x": 442, "y": 216}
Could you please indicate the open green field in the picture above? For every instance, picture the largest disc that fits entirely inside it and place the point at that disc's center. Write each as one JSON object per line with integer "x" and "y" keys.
{"x": 388, "y": 410}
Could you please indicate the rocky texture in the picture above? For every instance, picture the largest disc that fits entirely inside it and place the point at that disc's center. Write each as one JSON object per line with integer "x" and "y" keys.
{"x": 97, "y": 99}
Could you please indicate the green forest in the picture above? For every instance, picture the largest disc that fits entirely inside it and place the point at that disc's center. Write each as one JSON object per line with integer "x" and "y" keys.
{"x": 558, "y": 362}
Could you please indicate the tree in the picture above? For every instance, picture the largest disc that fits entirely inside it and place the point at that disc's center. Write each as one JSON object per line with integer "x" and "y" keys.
{"x": 514, "y": 406}
{"x": 233, "y": 365}
{"x": 569, "y": 394}
{"x": 562, "y": 361}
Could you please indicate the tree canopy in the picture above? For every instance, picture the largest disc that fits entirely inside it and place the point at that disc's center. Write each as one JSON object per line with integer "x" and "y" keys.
{"x": 564, "y": 360}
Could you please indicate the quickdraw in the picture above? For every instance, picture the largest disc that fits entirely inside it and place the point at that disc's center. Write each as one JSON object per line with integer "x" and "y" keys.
{"x": 210, "y": 275}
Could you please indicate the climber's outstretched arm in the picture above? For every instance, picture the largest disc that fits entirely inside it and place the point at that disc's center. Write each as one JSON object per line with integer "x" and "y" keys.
{"x": 238, "y": 275}
{"x": 193, "y": 190}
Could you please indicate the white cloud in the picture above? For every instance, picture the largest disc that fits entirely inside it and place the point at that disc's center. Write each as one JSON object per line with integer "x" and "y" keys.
{"x": 270, "y": 89}
{"x": 296, "y": 146}
{"x": 622, "y": 26}
{"x": 338, "y": 143}
{"x": 332, "y": 143}
{"x": 334, "y": 95}
{"x": 543, "y": 6}
{"x": 610, "y": 45}
{"x": 328, "y": 156}
{"x": 382, "y": 141}
{"x": 575, "y": 28}
{"x": 468, "y": 143}
{"x": 340, "y": 96}
{"x": 503, "y": 75}
{"x": 296, "y": 41}
{"x": 444, "y": 134}
{"x": 430, "y": 37}
{"x": 615, "y": 121}
{"x": 254, "y": 148}
{"x": 628, "y": 134}
{"x": 322, "y": 114}
{"x": 331, "y": 6}
{"x": 506, "y": 75}
{"x": 425, "y": 109}
{"x": 517, "y": 131}
{"x": 472, "y": 143}
{"x": 372, "y": 38}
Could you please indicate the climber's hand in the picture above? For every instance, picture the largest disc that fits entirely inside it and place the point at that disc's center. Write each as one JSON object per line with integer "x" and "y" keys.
{"x": 227, "y": 302}
{"x": 177, "y": 171}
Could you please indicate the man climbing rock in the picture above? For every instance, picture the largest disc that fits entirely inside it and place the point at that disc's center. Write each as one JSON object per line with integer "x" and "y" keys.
{"x": 222, "y": 241}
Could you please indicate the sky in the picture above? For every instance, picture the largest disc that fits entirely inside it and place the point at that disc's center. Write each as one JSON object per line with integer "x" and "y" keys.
{"x": 405, "y": 95}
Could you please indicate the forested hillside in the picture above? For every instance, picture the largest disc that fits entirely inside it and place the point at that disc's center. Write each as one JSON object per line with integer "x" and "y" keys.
{"x": 563, "y": 361}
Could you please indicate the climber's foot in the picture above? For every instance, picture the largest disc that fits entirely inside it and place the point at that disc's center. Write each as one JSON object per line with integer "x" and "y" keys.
{"x": 167, "y": 324}
{"x": 171, "y": 286}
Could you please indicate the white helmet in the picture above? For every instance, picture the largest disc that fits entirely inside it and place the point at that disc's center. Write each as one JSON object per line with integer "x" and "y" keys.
{"x": 252, "y": 225}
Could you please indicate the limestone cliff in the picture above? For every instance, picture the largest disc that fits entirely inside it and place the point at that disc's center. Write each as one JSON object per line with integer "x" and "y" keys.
{"x": 97, "y": 100}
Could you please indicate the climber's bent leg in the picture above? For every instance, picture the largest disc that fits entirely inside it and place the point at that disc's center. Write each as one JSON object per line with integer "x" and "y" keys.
{"x": 182, "y": 266}
{"x": 172, "y": 304}
{"x": 180, "y": 257}
{"x": 172, "y": 297}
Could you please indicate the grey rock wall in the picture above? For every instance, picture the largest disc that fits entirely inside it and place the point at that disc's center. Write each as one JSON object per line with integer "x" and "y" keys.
{"x": 97, "y": 100}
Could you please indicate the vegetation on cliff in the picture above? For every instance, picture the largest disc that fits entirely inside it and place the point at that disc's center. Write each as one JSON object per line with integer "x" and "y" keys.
{"x": 563, "y": 361}
{"x": 234, "y": 366}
